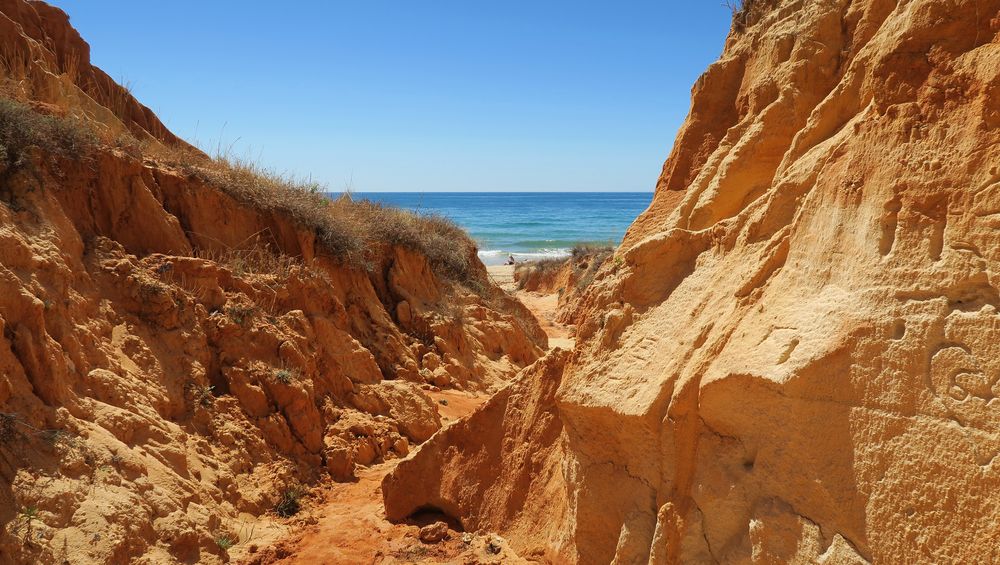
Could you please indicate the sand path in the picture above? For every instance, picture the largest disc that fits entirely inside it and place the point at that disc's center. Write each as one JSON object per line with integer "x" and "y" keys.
{"x": 543, "y": 306}
{"x": 503, "y": 275}
{"x": 346, "y": 522}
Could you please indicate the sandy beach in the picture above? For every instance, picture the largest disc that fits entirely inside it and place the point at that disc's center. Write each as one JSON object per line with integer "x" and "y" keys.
{"x": 503, "y": 275}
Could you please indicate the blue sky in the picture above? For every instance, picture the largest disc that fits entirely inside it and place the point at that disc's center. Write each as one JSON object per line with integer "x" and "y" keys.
{"x": 419, "y": 95}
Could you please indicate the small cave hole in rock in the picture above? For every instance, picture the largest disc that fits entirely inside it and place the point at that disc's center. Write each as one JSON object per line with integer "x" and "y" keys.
{"x": 426, "y": 515}
{"x": 899, "y": 330}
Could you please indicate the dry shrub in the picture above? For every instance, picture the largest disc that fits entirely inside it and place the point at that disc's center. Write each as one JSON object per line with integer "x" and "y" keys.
{"x": 348, "y": 229}
{"x": 59, "y": 138}
{"x": 540, "y": 268}
{"x": 254, "y": 257}
{"x": 353, "y": 231}
{"x": 745, "y": 12}
{"x": 586, "y": 260}
{"x": 447, "y": 246}
{"x": 546, "y": 265}
{"x": 589, "y": 259}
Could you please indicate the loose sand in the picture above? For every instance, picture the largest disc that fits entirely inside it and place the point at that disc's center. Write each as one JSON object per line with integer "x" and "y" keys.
{"x": 543, "y": 306}
{"x": 348, "y": 524}
{"x": 503, "y": 275}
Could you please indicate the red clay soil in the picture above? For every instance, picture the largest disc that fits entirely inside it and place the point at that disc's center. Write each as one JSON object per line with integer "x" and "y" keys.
{"x": 349, "y": 526}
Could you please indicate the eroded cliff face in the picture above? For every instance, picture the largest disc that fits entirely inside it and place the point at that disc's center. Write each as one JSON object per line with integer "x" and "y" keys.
{"x": 44, "y": 60}
{"x": 797, "y": 358}
{"x": 173, "y": 362}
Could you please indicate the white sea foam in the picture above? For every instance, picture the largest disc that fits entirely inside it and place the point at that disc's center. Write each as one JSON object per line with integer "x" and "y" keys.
{"x": 499, "y": 256}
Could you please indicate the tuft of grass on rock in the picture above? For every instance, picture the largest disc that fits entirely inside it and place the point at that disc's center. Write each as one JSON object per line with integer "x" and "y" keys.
{"x": 240, "y": 315}
{"x": 204, "y": 395}
{"x": 253, "y": 257}
{"x": 746, "y": 11}
{"x": 289, "y": 505}
{"x": 284, "y": 376}
{"x": 22, "y": 128}
{"x": 224, "y": 543}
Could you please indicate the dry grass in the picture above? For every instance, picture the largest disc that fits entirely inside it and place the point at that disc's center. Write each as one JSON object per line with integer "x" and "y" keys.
{"x": 745, "y": 12}
{"x": 540, "y": 268}
{"x": 15, "y": 68}
{"x": 447, "y": 246}
{"x": 353, "y": 231}
{"x": 254, "y": 257}
{"x": 589, "y": 260}
{"x": 585, "y": 249}
{"x": 22, "y": 128}
{"x": 348, "y": 229}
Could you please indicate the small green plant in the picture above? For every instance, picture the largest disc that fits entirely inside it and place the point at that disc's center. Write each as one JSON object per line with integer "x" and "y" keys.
{"x": 26, "y": 517}
{"x": 224, "y": 543}
{"x": 57, "y": 437}
{"x": 203, "y": 395}
{"x": 288, "y": 504}
{"x": 28, "y": 513}
{"x": 283, "y": 376}
{"x": 240, "y": 315}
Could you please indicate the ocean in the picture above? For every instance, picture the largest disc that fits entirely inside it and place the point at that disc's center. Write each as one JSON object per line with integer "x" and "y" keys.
{"x": 528, "y": 225}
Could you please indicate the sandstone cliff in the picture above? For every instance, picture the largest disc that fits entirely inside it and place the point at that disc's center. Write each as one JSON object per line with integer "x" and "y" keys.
{"x": 178, "y": 355}
{"x": 796, "y": 360}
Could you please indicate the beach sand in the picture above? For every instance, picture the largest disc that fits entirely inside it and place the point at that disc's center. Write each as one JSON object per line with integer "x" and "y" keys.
{"x": 503, "y": 275}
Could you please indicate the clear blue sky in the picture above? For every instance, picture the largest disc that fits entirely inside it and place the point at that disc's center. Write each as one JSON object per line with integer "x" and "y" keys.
{"x": 419, "y": 95}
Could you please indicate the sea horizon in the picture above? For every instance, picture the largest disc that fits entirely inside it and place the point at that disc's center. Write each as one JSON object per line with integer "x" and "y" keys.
{"x": 528, "y": 225}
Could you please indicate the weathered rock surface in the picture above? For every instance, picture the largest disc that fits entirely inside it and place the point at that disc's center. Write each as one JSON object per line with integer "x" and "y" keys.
{"x": 797, "y": 360}
{"x": 433, "y": 533}
{"x": 483, "y": 468}
{"x": 156, "y": 399}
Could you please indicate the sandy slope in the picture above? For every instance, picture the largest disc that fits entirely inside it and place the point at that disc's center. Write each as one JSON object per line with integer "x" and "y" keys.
{"x": 349, "y": 525}
{"x": 543, "y": 305}
{"x": 503, "y": 276}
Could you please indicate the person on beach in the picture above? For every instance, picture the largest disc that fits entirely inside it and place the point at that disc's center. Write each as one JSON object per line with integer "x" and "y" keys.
{"x": 510, "y": 259}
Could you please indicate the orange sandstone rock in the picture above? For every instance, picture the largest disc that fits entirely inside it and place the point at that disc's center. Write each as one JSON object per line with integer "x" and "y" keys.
{"x": 157, "y": 399}
{"x": 796, "y": 361}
